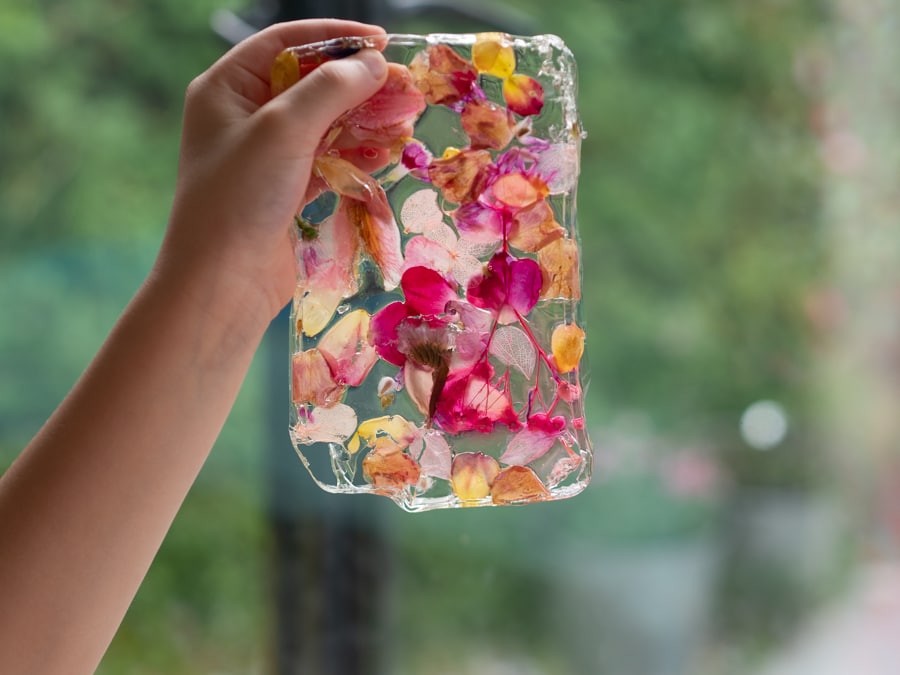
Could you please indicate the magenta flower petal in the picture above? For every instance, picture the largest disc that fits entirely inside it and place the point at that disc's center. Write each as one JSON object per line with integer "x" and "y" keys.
{"x": 524, "y": 285}
{"x": 508, "y": 285}
{"x": 426, "y": 291}
{"x": 383, "y": 332}
{"x": 469, "y": 401}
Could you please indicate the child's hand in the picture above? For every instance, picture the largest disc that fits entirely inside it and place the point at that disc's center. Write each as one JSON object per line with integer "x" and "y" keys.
{"x": 245, "y": 164}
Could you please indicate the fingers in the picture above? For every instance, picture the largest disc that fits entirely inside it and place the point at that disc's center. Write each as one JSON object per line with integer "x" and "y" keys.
{"x": 246, "y": 67}
{"x": 328, "y": 92}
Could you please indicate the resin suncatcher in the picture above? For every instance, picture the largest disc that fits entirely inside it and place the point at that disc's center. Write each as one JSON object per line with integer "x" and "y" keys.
{"x": 436, "y": 337}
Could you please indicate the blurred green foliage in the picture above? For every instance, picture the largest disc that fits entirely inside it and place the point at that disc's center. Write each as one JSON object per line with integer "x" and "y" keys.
{"x": 698, "y": 210}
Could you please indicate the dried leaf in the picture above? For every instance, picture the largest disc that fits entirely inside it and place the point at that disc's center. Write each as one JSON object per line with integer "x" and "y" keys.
{"x": 511, "y": 345}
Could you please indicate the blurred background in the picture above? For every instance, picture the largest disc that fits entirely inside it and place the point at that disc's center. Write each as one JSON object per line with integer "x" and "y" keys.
{"x": 740, "y": 209}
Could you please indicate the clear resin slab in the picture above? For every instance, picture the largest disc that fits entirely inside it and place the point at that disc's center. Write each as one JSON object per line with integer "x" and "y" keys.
{"x": 436, "y": 336}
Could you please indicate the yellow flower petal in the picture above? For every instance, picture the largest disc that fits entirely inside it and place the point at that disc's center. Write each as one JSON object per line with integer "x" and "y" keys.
{"x": 399, "y": 431}
{"x": 472, "y": 474}
{"x": 567, "y": 344}
{"x": 285, "y": 72}
{"x": 492, "y": 54}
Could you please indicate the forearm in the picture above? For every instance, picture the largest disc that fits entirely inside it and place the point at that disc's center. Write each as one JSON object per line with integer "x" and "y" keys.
{"x": 89, "y": 501}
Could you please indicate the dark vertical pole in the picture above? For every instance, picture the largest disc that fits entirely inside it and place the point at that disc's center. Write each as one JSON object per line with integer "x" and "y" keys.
{"x": 330, "y": 557}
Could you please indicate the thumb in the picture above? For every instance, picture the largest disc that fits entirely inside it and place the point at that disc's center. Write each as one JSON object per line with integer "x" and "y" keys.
{"x": 334, "y": 88}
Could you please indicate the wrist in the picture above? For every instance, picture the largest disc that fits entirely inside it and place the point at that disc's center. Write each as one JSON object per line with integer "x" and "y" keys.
{"x": 230, "y": 311}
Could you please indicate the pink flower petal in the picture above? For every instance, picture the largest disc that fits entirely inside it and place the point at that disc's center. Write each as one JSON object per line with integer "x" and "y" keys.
{"x": 478, "y": 223}
{"x": 391, "y": 111}
{"x": 436, "y": 455}
{"x": 535, "y": 440}
{"x": 311, "y": 380}
{"x": 347, "y": 350}
{"x": 324, "y": 274}
{"x": 418, "y": 383}
{"x": 526, "y": 446}
{"x": 422, "y": 251}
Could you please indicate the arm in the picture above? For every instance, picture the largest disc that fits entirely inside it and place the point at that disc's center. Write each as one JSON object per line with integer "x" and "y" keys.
{"x": 85, "y": 507}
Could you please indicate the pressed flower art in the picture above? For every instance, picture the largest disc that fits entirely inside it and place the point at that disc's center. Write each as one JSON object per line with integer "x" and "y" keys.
{"x": 437, "y": 345}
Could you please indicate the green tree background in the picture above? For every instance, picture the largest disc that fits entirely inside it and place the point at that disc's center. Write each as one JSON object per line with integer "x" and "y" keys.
{"x": 699, "y": 211}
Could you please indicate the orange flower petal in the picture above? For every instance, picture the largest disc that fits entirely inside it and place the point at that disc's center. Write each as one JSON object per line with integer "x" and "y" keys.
{"x": 487, "y": 124}
{"x": 518, "y": 484}
{"x": 461, "y": 176}
{"x": 380, "y": 233}
{"x": 519, "y": 190}
{"x": 492, "y": 54}
{"x": 534, "y": 227}
{"x": 472, "y": 474}
{"x": 390, "y": 469}
{"x": 567, "y": 344}
{"x": 559, "y": 270}
{"x": 524, "y": 95}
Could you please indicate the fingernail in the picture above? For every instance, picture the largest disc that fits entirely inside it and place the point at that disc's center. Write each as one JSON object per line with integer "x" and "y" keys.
{"x": 374, "y": 61}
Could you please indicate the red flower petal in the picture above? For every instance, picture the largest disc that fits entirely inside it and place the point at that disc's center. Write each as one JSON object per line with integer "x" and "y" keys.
{"x": 524, "y": 95}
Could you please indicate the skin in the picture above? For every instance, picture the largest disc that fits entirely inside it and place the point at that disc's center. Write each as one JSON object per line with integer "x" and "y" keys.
{"x": 84, "y": 508}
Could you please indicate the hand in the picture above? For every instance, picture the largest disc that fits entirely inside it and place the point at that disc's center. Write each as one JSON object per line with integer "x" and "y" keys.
{"x": 246, "y": 160}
